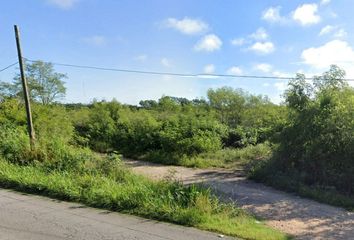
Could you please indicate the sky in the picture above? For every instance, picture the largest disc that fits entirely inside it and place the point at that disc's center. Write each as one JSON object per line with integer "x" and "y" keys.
{"x": 266, "y": 38}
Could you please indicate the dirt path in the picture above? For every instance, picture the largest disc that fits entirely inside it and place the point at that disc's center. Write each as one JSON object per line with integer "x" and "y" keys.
{"x": 306, "y": 219}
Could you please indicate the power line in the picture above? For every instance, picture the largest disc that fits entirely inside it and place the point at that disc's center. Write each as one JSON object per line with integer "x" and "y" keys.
{"x": 11, "y": 65}
{"x": 199, "y": 75}
{"x": 120, "y": 70}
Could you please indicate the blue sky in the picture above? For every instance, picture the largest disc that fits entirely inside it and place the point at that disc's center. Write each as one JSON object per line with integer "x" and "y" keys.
{"x": 271, "y": 38}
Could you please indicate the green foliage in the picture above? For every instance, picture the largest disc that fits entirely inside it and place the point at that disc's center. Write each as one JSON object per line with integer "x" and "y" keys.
{"x": 63, "y": 171}
{"x": 49, "y": 120}
{"x": 172, "y": 202}
{"x": 12, "y": 112}
{"x": 236, "y": 158}
{"x": 101, "y": 125}
{"x": 14, "y": 144}
{"x": 172, "y": 129}
{"x": 52, "y": 120}
{"x": 45, "y": 85}
{"x": 317, "y": 140}
{"x": 136, "y": 132}
{"x": 313, "y": 131}
{"x": 189, "y": 135}
{"x": 229, "y": 103}
{"x": 142, "y": 132}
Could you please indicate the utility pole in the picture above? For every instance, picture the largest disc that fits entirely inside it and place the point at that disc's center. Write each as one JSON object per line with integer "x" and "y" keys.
{"x": 25, "y": 90}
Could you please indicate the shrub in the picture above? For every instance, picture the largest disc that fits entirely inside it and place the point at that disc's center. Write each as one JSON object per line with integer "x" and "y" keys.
{"x": 240, "y": 158}
{"x": 14, "y": 145}
{"x": 317, "y": 141}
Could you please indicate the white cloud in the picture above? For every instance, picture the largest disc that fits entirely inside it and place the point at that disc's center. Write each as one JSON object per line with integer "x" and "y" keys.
{"x": 306, "y": 14}
{"x": 281, "y": 86}
{"x": 187, "y": 25}
{"x": 209, "y": 43}
{"x": 260, "y": 34}
{"x": 209, "y": 69}
{"x": 234, "y": 70}
{"x": 64, "y": 4}
{"x": 335, "y": 30}
{"x": 263, "y": 67}
{"x": 340, "y": 33}
{"x": 238, "y": 41}
{"x": 326, "y": 30}
{"x": 337, "y": 52}
{"x": 333, "y": 52}
{"x": 141, "y": 58}
{"x": 165, "y": 62}
{"x": 265, "y": 84}
{"x": 333, "y": 14}
{"x": 206, "y": 76}
{"x": 262, "y": 47}
{"x": 282, "y": 74}
{"x": 95, "y": 40}
{"x": 272, "y": 14}
{"x": 324, "y": 2}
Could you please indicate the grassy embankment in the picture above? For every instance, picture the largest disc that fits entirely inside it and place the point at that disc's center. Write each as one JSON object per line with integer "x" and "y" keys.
{"x": 59, "y": 170}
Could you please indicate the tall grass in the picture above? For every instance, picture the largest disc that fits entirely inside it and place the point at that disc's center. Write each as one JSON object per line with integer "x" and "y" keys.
{"x": 61, "y": 171}
{"x": 236, "y": 158}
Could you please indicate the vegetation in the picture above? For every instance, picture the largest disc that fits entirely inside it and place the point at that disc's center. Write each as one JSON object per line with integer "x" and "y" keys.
{"x": 60, "y": 170}
{"x": 316, "y": 144}
{"x": 45, "y": 85}
{"x": 304, "y": 145}
{"x": 63, "y": 166}
{"x": 179, "y": 131}
{"x": 242, "y": 159}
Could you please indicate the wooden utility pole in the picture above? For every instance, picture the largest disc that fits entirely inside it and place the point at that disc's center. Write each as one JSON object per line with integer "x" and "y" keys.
{"x": 25, "y": 89}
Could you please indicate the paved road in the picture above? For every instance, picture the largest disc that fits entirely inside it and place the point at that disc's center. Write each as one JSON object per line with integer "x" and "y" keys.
{"x": 304, "y": 218}
{"x": 28, "y": 217}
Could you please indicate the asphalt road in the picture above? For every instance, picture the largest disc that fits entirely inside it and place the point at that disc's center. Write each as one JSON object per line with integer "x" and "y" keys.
{"x": 31, "y": 217}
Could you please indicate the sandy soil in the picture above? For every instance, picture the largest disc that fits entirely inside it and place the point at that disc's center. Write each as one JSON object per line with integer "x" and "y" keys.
{"x": 303, "y": 218}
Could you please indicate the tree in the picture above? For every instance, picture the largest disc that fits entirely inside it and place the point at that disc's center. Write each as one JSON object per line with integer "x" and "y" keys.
{"x": 5, "y": 90}
{"x": 45, "y": 85}
{"x": 298, "y": 95}
{"x": 332, "y": 79}
{"x": 317, "y": 141}
{"x": 148, "y": 104}
{"x": 229, "y": 103}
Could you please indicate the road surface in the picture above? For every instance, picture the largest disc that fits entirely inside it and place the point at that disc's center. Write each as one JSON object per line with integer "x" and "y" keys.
{"x": 29, "y": 217}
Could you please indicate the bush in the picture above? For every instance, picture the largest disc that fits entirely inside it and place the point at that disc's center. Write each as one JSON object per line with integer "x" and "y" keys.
{"x": 147, "y": 133}
{"x": 76, "y": 175}
{"x": 52, "y": 121}
{"x": 190, "y": 136}
{"x": 240, "y": 158}
{"x": 317, "y": 141}
{"x": 14, "y": 145}
{"x": 136, "y": 132}
{"x": 51, "y": 153}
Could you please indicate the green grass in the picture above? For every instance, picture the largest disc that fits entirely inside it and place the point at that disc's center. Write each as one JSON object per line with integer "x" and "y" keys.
{"x": 235, "y": 158}
{"x": 132, "y": 194}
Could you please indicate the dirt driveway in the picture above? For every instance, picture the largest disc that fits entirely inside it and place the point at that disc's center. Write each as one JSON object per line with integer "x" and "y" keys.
{"x": 306, "y": 219}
